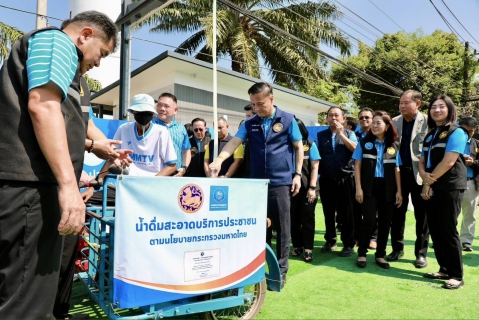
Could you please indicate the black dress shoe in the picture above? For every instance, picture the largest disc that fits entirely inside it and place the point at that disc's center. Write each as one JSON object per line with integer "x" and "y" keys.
{"x": 283, "y": 280}
{"x": 395, "y": 255}
{"x": 346, "y": 252}
{"x": 436, "y": 276}
{"x": 383, "y": 265}
{"x": 449, "y": 285}
{"x": 421, "y": 262}
{"x": 328, "y": 247}
{"x": 361, "y": 264}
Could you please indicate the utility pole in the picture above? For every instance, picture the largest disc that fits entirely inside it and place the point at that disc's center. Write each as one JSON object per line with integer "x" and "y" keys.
{"x": 465, "y": 79}
{"x": 41, "y": 14}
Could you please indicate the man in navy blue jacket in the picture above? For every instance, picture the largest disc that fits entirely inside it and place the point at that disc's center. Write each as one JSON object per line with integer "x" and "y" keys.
{"x": 272, "y": 135}
{"x": 336, "y": 146}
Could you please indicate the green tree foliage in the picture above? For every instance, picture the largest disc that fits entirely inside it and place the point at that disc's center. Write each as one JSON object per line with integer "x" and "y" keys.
{"x": 432, "y": 64}
{"x": 329, "y": 91}
{"x": 8, "y": 35}
{"x": 247, "y": 42}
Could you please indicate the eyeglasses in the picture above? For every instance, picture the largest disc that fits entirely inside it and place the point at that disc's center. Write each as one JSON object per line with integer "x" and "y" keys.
{"x": 161, "y": 105}
{"x": 364, "y": 118}
{"x": 198, "y": 129}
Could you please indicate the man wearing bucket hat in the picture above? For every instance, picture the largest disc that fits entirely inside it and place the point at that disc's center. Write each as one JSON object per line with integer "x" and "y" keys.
{"x": 153, "y": 150}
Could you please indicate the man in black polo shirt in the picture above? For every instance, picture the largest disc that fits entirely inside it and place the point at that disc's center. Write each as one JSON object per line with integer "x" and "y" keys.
{"x": 412, "y": 128}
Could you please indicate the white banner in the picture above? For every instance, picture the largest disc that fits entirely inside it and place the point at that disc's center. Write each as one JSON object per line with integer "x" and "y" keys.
{"x": 180, "y": 237}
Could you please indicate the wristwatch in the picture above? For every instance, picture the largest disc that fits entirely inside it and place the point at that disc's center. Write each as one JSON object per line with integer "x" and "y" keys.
{"x": 298, "y": 174}
{"x": 312, "y": 187}
{"x": 184, "y": 167}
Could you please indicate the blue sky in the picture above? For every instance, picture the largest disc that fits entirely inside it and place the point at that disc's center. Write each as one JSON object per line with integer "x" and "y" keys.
{"x": 409, "y": 15}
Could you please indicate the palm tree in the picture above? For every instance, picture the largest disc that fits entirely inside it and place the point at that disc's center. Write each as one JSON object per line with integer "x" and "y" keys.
{"x": 247, "y": 42}
{"x": 8, "y": 35}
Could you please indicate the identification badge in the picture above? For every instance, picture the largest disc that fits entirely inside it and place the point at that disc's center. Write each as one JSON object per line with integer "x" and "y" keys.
{"x": 443, "y": 135}
{"x": 278, "y": 127}
{"x": 391, "y": 151}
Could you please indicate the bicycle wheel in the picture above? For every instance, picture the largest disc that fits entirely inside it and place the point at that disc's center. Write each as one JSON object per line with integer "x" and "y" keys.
{"x": 245, "y": 311}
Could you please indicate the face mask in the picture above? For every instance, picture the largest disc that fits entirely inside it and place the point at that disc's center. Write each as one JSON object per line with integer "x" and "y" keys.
{"x": 143, "y": 118}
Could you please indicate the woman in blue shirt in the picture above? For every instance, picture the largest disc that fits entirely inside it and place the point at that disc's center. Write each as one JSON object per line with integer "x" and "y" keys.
{"x": 303, "y": 205}
{"x": 378, "y": 184}
{"x": 444, "y": 174}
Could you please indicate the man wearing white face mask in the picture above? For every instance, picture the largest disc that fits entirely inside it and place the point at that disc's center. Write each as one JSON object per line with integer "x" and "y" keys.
{"x": 153, "y": 150}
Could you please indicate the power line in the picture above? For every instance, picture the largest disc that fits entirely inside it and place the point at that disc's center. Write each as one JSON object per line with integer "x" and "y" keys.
{"x": 453, "y": 31}
{"x": 459, "y": 21}
{"x": 403, "y": 51}
{"x": 335, "y": 84}
{"x": 360, "y": 25}
{"x": 393, "y": 66}
{"x": 387, "y": 16}
{"x": 263, "y": 68}
{"x": 357, "y": 15}
{"x": 275, "y": 28}
{"x": 296, "y": 13}
{"x": 29, "y": 12}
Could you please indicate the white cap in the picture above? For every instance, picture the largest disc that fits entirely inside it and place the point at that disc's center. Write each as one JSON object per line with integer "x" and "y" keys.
{"x": 142, "y": 103}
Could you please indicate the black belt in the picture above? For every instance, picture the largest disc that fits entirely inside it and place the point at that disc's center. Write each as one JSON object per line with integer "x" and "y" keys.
{"x": 406, "y": 168}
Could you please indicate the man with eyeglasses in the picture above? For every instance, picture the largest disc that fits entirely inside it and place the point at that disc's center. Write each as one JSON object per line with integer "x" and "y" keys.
{"x": 411, "y": 126}
{"x": 230, "y": 166}
{"x": 198, "y": 143}
{"x": 166, "y": 106}
{"x": 365, "y": 118}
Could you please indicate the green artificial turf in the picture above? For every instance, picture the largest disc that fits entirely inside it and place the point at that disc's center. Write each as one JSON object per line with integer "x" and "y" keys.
{"x": 332, "y": 287}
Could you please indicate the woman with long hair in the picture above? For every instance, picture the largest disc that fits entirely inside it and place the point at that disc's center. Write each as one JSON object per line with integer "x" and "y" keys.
{"x": 303, "y": 205}
{"x": 444, "y": 174}
{"x": 378, "y": 184}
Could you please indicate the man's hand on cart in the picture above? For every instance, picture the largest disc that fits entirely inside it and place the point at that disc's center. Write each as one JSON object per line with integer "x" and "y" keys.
{"x": 215, "y": 167}
{"x": 72, "y": 209}
{"x": 87, "y": 194}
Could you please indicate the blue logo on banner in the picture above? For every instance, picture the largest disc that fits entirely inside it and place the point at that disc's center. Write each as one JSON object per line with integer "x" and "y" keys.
{"x": 368, "y": 145}
{"x": 218, "y": 198}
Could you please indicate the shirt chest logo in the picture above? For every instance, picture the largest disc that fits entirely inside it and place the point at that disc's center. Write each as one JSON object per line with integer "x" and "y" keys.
{"x": 443, "y": 135}
{"x": 305, "y": 147}
{"x": 278, "y": 127}
{"x": 429, "y": 139}
{"x": 368, "y": 146}
{"x": 391, "y": 151}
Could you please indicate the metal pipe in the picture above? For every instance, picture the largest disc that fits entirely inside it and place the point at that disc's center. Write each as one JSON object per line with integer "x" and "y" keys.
{"x": 215, "y": 84}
